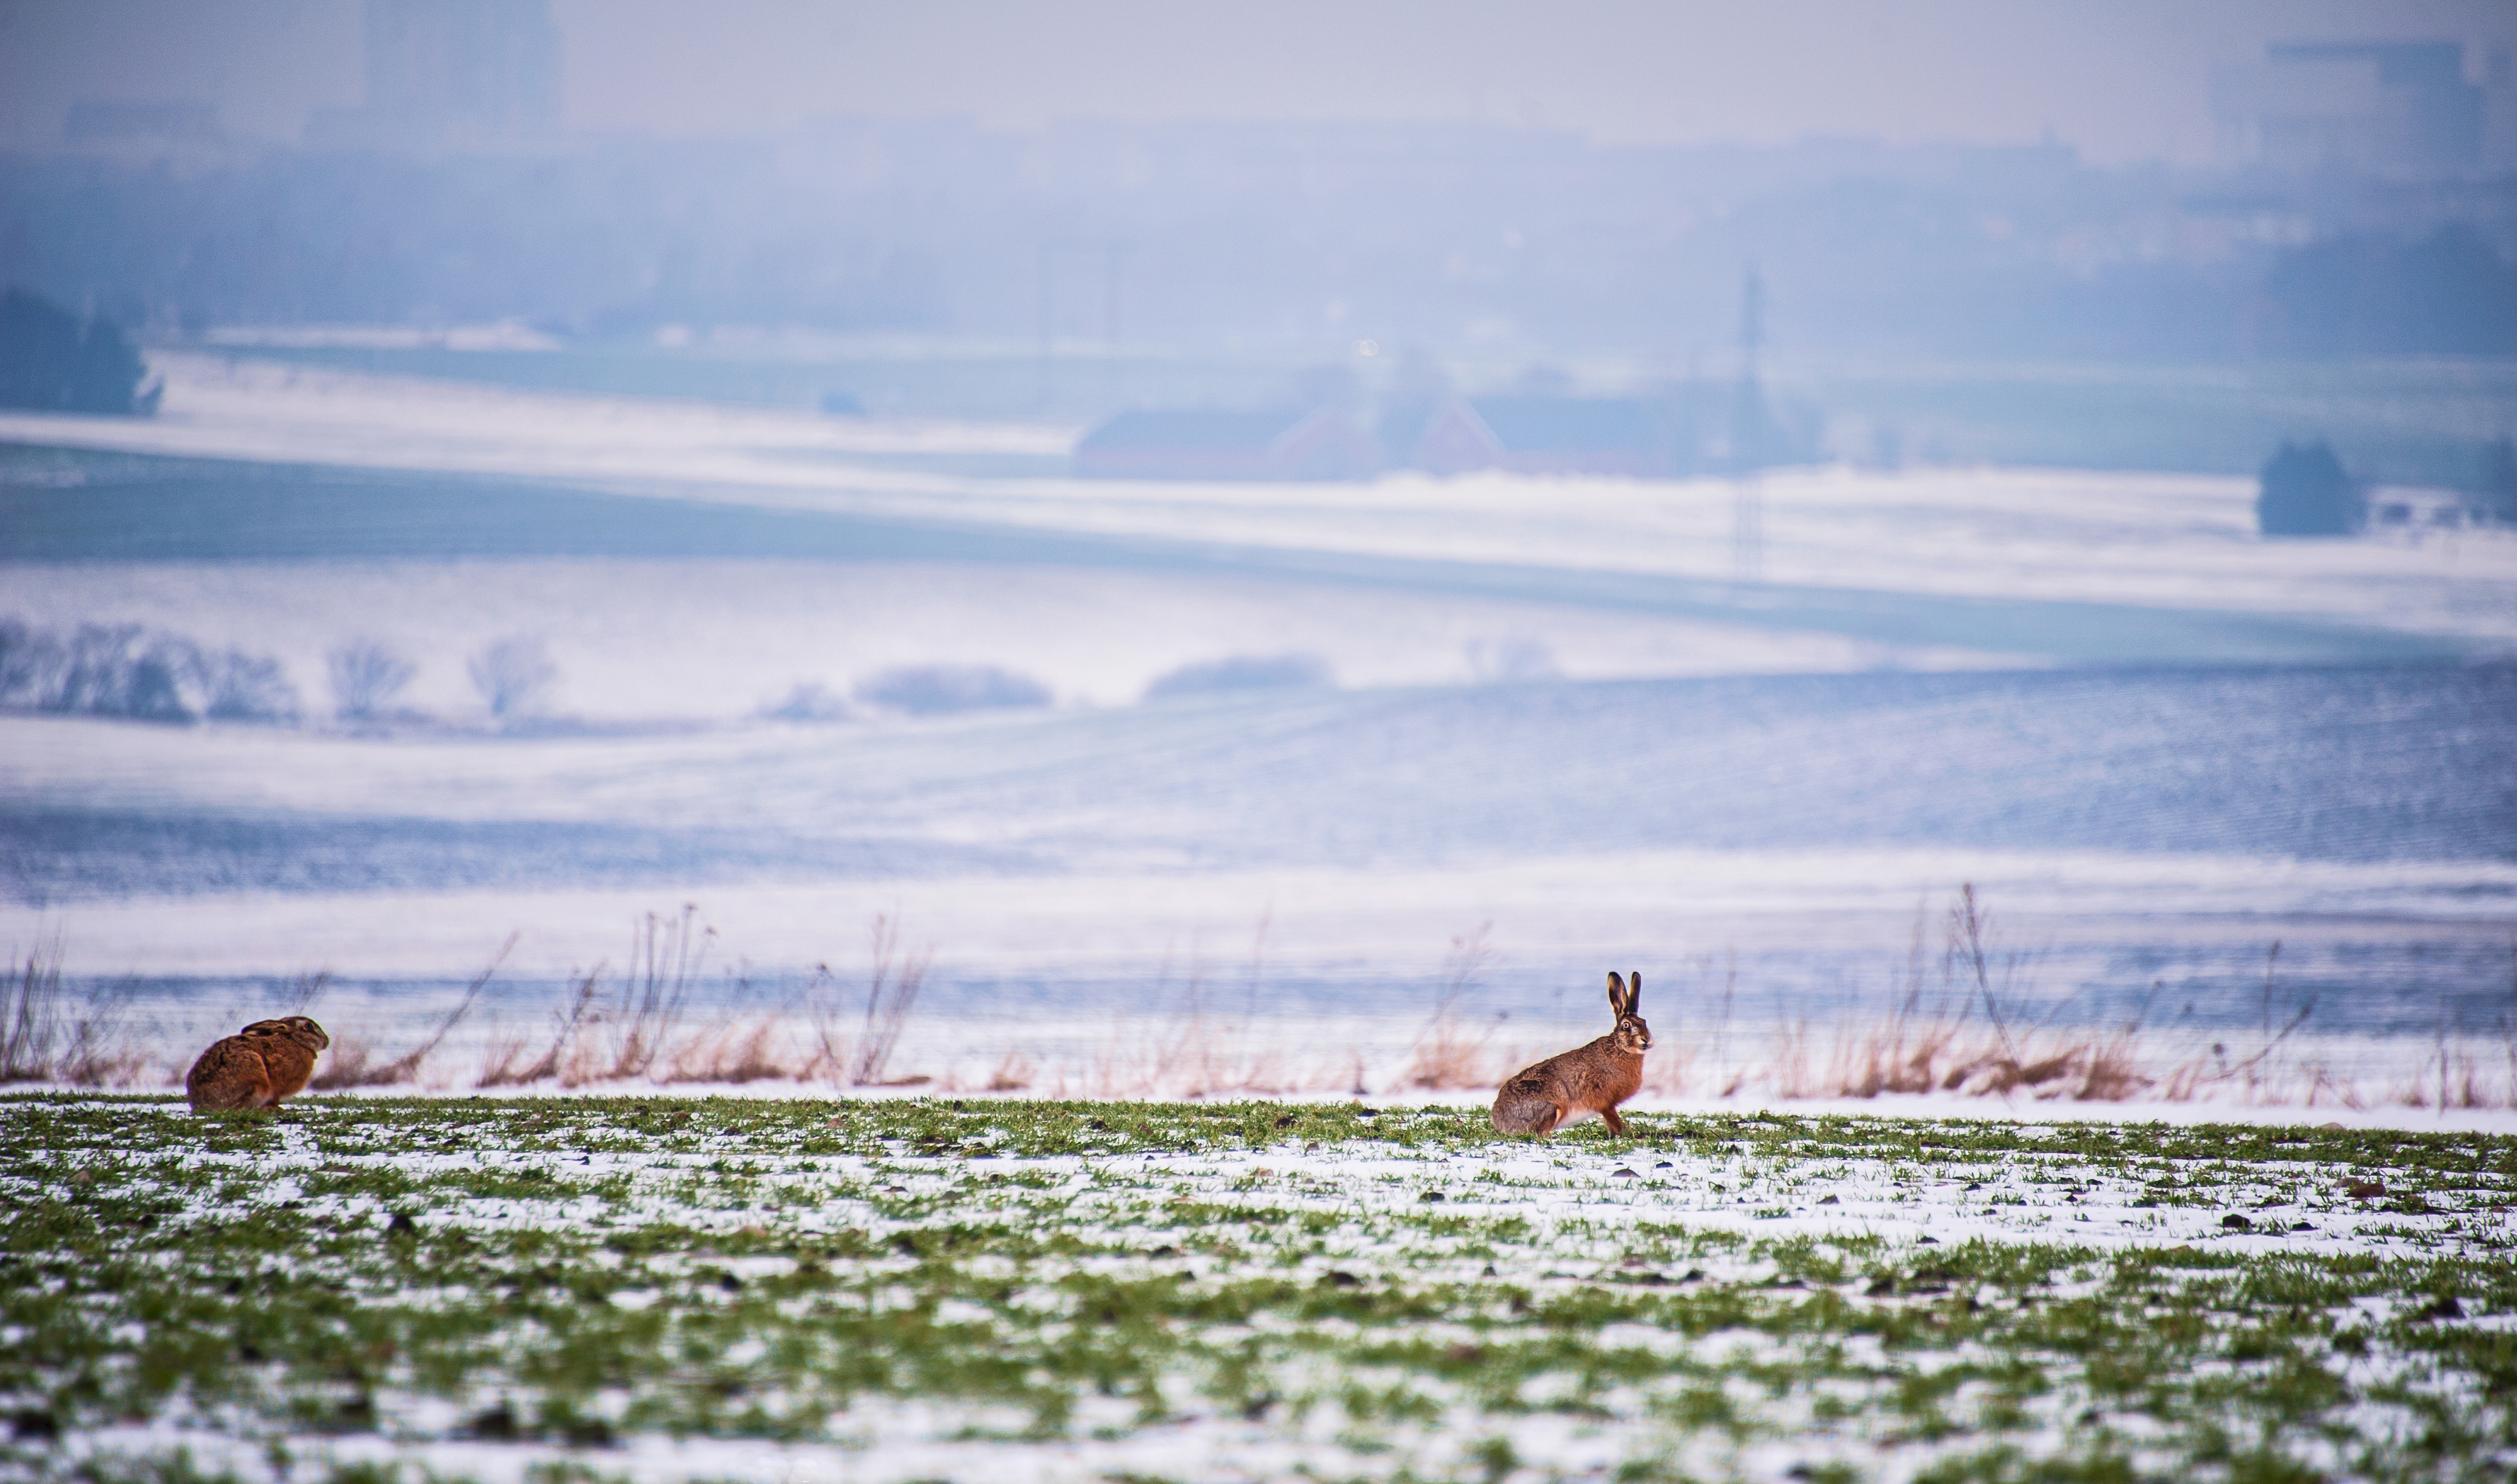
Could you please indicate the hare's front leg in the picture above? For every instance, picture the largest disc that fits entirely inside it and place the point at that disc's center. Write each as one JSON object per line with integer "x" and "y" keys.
{"x": 1616, "y": 1124}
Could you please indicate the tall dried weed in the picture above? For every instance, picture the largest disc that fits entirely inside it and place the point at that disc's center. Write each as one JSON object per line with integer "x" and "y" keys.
{"x": 1448, "y": 1055}
{"x": 52, "y": 1033}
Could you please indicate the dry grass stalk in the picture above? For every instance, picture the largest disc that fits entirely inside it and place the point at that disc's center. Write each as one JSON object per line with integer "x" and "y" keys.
{"x": 34, "y": 1015}
{"x": 345, "y": 1065}
{"x": 730, "y": 1051}
{"x": 889, "y": 997}
{"x": 832, "y": 1047}
{"x": 299, "y": 998}
{"x": 1447, "y": 1055}
{"x": 498, "y": 1063}
{"x": 1965, "y": 1039}
{"x": 499, "y": 1069}
{"x": 1905, "y": 1052}
{"x": 1190, "y": 1053}
{"x": 49, "y": 1035}
{"x": 1787, "y": 1069}
{"x": 664, "y": 952}
{"x": 100, "y": 1051}
{"x": 1919, "y": 1051}
{"x": 1727, "y": 1075}
{"x": 2263, "y": 1076}
{"x": 353, "y": 1060}
{"x": 2112, "y": 1073}
{"x": 1015, "y": 1074}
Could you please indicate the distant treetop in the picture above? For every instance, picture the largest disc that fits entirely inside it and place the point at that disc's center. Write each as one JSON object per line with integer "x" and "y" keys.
{"x": 2305, "y": 492}
{"x": 52, "y": 360}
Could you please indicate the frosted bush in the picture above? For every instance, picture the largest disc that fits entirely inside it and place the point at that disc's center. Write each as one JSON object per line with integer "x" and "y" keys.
{"x": 1244, "y": 672}
{"x": 936, "y": 690}
{"x": 808, "y": 703}
{"x": 124, "y": 669}
{"x": 514, "y": 677}
{"x": 365, "y": 678}
{"x": 240, "y": 687}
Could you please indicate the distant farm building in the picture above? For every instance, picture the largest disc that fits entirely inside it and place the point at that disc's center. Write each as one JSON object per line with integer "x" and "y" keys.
{"x": 1549, "y": 435}
{"x": 1284, "y": 444}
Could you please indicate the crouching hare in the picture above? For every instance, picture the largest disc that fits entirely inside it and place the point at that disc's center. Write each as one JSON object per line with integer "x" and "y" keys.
{"x": 1586, "y": 1080}
{"x": 267, "y": 1061}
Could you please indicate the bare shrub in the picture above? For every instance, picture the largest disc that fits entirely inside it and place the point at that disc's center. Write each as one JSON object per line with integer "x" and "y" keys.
{"x": 514, "y": 677}
{"x": 1727, "y": 1076}
{"x": 939, "y": 690}
{"x": 498, "y": 1063}
{"x": 96, "y": 674}
{"x": 2323, "y": 1086}
{"x": 1187, "y": 1050}
{"x": 831, "y": 1050}
{"x": 1987, "y": 979}
{"x": 2452, "y": 1077}
{"x": 100, "y": 1050}
{"x": 240, "y": 687}
{"x": 127, "y": 671}
{"x": 365, "y": 678}
{"x": 810, "y": 703}
{"x": 1967, "y": 1036}
{"x": 122, "y": 670}
{"x": 1970, "y": 934}
{"x": 1200, "y": 1052}
{"x": 1789, "y": 1071}
{"x": 2507, "y": 1024}
{"x": 27, "y": 656}
{"x": 1244, "y": 672}
{"x": 1014, "y": 1073}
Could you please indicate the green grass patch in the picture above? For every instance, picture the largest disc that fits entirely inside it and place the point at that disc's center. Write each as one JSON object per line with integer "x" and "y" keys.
{"x": 358, "y": 1283}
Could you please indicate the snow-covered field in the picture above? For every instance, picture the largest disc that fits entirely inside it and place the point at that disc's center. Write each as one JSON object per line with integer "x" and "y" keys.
{"x": 2162, "y": 541}
{"x": 718, "y": 641}
{"x": 1571, "y": 713}
{"x": 651, "y": 1289}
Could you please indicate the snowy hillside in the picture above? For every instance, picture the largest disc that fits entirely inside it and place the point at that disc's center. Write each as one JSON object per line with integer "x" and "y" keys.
{"x": 1846, "y": 545}
{"x": 1581, "y": 713}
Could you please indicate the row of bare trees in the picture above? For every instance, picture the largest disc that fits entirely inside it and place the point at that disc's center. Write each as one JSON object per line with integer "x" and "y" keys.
{"x": 126, "y": 669}
{"x": 131, "y": 670}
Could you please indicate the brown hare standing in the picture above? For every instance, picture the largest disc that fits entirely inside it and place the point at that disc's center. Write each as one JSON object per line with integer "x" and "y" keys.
{"x": 1586, "y": 1080}
{"x": 257, "y": 1067}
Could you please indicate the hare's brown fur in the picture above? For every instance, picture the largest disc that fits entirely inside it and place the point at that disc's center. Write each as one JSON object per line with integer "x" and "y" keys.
{"x": 264, "y": 1062}
{"x": 1586, "y": 1080}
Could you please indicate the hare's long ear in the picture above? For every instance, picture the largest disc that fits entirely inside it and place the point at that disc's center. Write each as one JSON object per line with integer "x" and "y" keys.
{"x": 1635, "y": 992}
{"x": 1616, "y": 995}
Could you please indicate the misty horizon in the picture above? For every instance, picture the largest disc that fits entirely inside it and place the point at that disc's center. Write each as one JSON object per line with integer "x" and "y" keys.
{"x": 2133, "y": 84}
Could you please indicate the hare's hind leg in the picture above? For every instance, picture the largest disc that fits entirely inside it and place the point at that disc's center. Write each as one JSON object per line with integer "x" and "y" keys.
{"x": 230, "y": 1075}
{"x": 1527, "y": 1114}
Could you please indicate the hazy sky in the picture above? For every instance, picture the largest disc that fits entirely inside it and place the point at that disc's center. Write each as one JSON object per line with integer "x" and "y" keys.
{"x": 2121, "y": 79}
